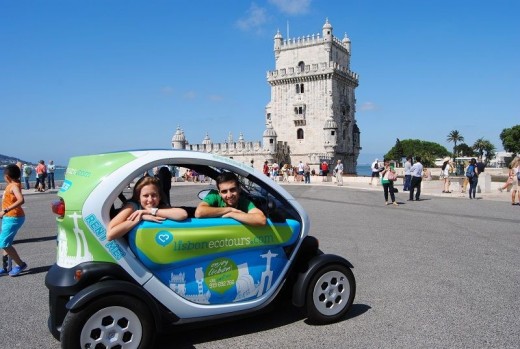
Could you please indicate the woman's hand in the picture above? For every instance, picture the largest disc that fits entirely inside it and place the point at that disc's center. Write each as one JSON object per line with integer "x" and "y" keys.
{"x": 144, "y": 215}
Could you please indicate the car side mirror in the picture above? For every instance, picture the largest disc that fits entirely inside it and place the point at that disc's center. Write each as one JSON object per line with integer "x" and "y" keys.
{"x": 203, "y": 193}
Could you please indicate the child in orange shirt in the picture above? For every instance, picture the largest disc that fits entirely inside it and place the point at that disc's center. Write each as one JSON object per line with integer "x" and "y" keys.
{"x": 12, "y": 217}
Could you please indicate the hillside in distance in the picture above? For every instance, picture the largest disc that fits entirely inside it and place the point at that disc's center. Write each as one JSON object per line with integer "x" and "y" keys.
{"x": 6, "y": 160}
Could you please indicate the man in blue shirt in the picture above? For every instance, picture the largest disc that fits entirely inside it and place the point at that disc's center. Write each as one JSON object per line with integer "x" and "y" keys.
{"x": 226, "y": 202}
{"x": 416, "y": 172}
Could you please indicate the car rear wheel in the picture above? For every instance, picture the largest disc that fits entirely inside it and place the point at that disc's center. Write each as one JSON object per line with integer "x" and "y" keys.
{"x": 330, "y": 294}
{"x": 111, "y": 322}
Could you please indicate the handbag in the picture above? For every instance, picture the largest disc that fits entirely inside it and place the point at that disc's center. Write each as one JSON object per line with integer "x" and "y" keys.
{"x": 392, "y": 176}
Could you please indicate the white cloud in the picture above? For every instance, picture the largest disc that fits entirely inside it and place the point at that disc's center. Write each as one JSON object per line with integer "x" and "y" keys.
{"x": 255, "y": 17}
{"x": 167, "y": 90}
{"x": 368, "y": 106}
{"x": 215, "y": 98}
{"x": 292, "y": 7}
{"x": 189, "y": 95}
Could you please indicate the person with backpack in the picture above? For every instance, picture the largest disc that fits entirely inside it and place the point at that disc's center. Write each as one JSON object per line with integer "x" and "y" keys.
{"x": 26, "y": 174}
{"x": 472, "y": 175}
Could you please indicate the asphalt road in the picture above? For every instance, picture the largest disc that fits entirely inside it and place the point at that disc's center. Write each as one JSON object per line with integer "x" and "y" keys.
{"x": 440, "y": 272}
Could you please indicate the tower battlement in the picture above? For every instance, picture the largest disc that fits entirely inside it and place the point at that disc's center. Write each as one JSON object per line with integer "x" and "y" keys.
{"x": 310, "y": 40}
{"x": 310, "y": 70}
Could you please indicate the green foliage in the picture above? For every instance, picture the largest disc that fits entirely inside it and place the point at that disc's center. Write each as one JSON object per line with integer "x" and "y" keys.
{"x": 510, "y": 138}
{"x": 464, "y": 150}
{"x": 399, "y": 152}
{"x": 428, "y": 151}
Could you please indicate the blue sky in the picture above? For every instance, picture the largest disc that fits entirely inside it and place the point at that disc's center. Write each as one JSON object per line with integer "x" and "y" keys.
{"x": 80, "y": 77}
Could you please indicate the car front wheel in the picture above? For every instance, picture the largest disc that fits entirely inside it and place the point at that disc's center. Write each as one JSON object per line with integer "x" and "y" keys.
{"x": 330, "y": 294}
{"x": 115, "y": 321}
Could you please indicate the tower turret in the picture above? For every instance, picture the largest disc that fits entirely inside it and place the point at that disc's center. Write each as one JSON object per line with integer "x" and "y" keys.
{"x": 270, "y": 136}
{"x": 330, "y": 133}
{"x": 178, "y": 139}
{"x": 327, "y": 35}
{"x": 278, "y": 39}
{"x": 346, "y": 43}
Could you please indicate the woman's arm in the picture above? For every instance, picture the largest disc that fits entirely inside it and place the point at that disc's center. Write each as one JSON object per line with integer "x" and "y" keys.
{"x": 121, "y": 224}
{"x": 173, "y": 213}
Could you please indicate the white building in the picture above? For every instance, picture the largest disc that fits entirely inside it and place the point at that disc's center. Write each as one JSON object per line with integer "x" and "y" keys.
{"x": 311, "y": 114}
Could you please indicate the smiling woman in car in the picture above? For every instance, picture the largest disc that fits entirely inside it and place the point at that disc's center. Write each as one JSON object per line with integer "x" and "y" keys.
{"x": 147, "y": 204}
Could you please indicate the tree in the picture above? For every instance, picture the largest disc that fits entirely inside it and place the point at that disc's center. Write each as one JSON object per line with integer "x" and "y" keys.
{"x": 454, "y": 136}
{"x": 399, "y": 152}
{"x": 464, "y": 150}
{"x": 482, "y": 146}
{"x": 510, "y": 138}
{"x": 428, "y": 151}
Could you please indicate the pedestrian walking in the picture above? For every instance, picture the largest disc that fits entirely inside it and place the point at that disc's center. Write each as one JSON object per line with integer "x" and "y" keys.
{"x": 13, "y": 217}
{"x": 50, "y": 175}
{"x": 26, "y": 175}
{"x": 339, "y": 173}
{"x": 307, "y": 173}
{"x": 417, "y": 173}
{"x": 472, "y": 175}
{"x": 407, "y": 173}
{"x": 388, "y": 177}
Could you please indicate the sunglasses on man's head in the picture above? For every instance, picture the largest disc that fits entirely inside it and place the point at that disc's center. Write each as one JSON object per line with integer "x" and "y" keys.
{"x": 231, "y": 190}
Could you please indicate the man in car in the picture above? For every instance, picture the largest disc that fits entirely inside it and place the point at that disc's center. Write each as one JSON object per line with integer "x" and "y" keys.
{"x": 227, "y": 202}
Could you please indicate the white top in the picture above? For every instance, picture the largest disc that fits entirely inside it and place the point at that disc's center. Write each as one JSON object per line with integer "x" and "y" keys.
{"x": 407, "y": 168}
{"x": 417, "y": 170}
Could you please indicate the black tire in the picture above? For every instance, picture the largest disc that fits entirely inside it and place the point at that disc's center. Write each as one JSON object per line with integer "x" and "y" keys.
{"x": 330, "y": 294}
{"x": 113, "y": 321}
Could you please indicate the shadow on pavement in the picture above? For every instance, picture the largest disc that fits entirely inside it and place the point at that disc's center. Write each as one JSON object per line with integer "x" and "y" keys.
{"x": 40, "y": 239}
{"x": 282, "y": 315}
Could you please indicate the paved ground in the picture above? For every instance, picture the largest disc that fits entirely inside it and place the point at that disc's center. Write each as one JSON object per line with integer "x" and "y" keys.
{"x": 443, "y": 272}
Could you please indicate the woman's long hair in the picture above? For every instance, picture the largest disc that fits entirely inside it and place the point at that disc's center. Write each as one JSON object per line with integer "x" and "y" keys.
{"x": 148, "y": 180}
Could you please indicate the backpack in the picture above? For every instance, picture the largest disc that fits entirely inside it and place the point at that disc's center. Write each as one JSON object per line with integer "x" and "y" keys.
{"x": 27, "y": 170}
{"x": 470, "y": 172}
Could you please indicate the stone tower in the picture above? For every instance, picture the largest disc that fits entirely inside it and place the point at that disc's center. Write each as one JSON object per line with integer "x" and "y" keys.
{"x": 313, "y": 104}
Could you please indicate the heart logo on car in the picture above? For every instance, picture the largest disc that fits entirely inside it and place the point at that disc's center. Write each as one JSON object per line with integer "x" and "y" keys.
{"x": 163, "y": 238}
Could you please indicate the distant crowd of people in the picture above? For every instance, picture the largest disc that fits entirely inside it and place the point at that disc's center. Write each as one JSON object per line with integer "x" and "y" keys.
{"x": 43, "y": 175}
{"x": 302, "y": 172}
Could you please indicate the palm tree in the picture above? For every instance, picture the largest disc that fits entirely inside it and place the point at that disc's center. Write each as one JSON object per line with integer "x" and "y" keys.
{"x": 480, "y": 145}
{"x": 483, "y": 145}
{"x": 454, "y": 136}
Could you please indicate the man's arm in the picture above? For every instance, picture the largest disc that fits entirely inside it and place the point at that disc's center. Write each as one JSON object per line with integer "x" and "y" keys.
{"x": 254, "y": 217}
{"x": 205, "y": 210}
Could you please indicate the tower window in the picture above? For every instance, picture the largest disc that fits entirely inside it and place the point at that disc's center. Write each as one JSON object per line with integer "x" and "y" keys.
{"x": 299, "y": 88}
{"x": 301, "y": 66}
{"x": 299, "y": 134}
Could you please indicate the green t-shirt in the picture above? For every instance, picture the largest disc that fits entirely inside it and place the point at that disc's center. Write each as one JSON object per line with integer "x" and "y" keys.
{"x": 215, "y": 200}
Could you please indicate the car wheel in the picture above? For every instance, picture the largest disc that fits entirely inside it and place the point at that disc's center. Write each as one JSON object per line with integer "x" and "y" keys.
{"x": 330, "y": 294}
{"x": 115, "y": 321}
